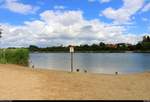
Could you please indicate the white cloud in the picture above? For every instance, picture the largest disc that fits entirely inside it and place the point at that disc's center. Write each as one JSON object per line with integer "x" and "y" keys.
{"x": 104, "y": 1}
{"x": 146, "y": 8}
{"x": 18, "y": 7}
{"x": 59, "y": 7}
{"x": 64, "y": 27}
{"x": 66, "y": 18}
{"x": 124, "y": 14}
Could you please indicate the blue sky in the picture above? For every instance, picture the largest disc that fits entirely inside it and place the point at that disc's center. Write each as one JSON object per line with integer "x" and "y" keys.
{"x": 49, "y": 22}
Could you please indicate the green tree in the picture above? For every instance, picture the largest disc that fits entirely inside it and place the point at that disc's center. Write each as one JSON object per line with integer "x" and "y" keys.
{"x": 33, "y": 48}
{"x": 139, "y": 46}
{"x": 101, "y": 44}
{"x": 94, "y": 47}
{"x": 146, "y": 43}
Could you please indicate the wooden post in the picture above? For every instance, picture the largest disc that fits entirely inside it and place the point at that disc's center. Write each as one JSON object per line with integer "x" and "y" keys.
{"x": 71, "y": 61}
{"x": 71, "y": 52}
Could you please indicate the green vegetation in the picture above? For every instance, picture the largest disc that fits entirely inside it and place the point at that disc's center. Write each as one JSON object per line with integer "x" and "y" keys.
{"x": 145, "y": 44}
{"x": 142, "y": 46}
{"x": 14, "y": 56}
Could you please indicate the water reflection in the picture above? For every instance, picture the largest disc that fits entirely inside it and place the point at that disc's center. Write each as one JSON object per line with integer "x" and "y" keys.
{"x": 94, "y": 62}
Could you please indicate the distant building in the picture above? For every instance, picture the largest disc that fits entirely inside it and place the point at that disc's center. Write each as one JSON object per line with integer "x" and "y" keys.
{"x": 123, "y": 44}
{"x": 111, "y": 45}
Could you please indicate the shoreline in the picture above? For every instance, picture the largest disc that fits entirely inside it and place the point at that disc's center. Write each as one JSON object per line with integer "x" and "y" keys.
{"x": 91, "y": 52}
{"x": 18, "y": 82}
{"x": 92, "y": 73}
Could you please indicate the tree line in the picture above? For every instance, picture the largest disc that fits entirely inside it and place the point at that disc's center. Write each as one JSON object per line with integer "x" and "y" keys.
{"x": 143, "y": 45}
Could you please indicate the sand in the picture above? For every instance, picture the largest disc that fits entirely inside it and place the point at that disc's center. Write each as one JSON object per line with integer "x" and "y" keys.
{"x": 17, "y": 82}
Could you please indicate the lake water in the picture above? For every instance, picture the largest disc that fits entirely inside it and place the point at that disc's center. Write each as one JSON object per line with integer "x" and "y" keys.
{"x": 107, "y": 63}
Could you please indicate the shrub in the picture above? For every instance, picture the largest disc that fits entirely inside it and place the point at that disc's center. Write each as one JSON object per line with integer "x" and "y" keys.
{"x": 14, "y": 56}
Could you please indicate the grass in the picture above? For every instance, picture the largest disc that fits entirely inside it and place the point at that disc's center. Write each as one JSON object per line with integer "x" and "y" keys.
{"x": 18, "y": 56}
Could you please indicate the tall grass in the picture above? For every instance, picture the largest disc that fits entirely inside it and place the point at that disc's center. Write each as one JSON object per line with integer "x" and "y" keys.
{"x": 14, "y": 56}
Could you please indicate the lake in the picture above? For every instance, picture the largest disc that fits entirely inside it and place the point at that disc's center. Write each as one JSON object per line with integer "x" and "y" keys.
{"x": 107, "y": 63}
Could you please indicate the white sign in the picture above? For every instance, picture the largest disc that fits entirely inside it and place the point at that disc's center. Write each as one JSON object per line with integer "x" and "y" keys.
{"x": 71, "y": 49}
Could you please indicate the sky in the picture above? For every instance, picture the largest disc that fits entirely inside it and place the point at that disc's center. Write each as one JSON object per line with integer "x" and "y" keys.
{"x": 55, "y": 22}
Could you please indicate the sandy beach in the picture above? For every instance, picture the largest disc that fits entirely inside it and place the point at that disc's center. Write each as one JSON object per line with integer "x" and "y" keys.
{"x": 17, "y": 82}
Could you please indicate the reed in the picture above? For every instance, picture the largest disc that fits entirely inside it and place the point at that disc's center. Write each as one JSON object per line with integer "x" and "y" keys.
{"x": 18, "y": 56}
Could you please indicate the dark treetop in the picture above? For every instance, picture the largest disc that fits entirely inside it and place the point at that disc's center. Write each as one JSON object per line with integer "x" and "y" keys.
{"x": 142, "y": 46}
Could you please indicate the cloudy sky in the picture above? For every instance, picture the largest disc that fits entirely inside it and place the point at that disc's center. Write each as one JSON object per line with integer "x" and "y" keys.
{"x": 54, "y": 22}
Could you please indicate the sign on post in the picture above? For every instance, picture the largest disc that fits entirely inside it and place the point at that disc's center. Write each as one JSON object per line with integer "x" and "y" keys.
{"x": 71, "y": 49}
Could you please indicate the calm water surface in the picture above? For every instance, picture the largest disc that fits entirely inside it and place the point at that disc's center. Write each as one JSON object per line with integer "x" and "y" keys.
{"x": 93, "y": 62}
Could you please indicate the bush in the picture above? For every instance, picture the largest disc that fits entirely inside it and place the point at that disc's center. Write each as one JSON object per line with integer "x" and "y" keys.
{"x": 14, "y": 56}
